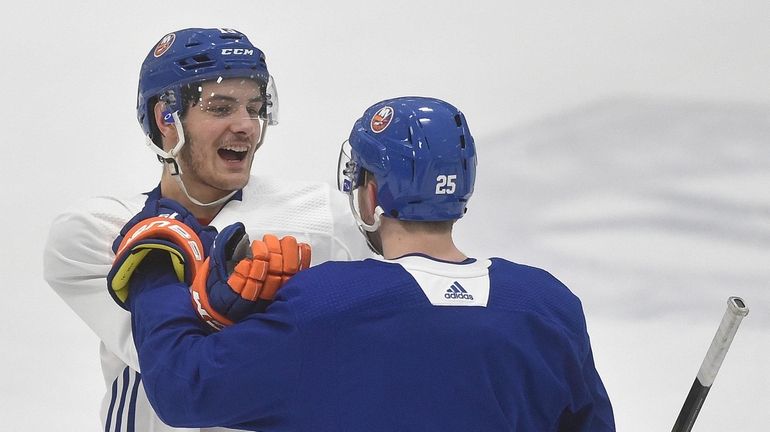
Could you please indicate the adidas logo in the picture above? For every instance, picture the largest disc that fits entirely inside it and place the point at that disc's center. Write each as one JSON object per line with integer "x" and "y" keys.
{"x": 456, "y": 291}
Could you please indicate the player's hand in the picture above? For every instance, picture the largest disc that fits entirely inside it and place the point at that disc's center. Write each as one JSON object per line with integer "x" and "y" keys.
{"x": 162, "y": 225}
{"x": 238, "y": 280}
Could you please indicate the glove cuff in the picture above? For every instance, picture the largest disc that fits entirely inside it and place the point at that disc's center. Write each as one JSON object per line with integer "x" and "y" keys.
{"x": 157, "y": 233}
{"x": 200, "y": 300}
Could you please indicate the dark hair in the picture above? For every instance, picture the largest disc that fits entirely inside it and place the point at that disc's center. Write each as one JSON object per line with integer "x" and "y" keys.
{"x": 191, "y": 95}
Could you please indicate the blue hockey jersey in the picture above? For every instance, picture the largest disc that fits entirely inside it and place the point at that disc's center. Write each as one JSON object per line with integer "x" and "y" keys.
{"x": 412, "y": 344}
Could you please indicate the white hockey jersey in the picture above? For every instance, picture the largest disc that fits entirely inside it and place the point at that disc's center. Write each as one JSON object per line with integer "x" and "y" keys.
{"x": 78, "y": 256}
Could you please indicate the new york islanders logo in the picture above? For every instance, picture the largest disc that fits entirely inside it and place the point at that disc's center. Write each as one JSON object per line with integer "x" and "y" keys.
{"x": 164, "y": 45}
{"x": 381, "y": 119}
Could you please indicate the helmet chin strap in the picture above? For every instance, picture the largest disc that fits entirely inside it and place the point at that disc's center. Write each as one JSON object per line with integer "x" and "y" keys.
{"x": 368, "y": 229}
{"x": 174, "y": 168}
{"x": 195, "y": 201}
{"x": 363, "y": 225}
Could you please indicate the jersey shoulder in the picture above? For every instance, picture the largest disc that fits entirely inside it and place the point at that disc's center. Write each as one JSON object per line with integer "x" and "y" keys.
{"x": 346, "y": 286}
{"x": 288, "y": 205}
{"x": 264, "y": 188}
{"x": 313, "y": 212}
{"x": 534, "y": 290}
{"x": 101, "y": 213}
{"x": 82, "y": 235}
{"x": 271, "y": 185}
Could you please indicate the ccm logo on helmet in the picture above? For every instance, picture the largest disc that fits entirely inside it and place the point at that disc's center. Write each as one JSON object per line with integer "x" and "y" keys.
{"x": 237, "y": 51}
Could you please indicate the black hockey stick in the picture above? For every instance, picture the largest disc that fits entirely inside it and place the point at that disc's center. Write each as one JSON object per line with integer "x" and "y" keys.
{"x": 736, "y": 310}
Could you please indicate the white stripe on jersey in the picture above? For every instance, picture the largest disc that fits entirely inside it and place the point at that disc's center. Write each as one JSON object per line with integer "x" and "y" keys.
{"x": 121, "y": 414}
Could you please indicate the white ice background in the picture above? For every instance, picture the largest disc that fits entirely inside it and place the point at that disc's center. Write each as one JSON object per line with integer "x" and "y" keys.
{"x": 624, "y": 146}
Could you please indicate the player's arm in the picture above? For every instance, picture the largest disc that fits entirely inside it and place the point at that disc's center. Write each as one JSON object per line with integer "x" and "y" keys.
{"x": 228, "y": 277}
{"x": 584, "y": 405}
{"x": 590, "y": 409}
{"x": 193, "y": 378}
{"x": 603, "y": 418}
{"x": 76, "y": 260}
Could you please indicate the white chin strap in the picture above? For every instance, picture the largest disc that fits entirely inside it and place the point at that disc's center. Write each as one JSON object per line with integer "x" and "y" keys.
{"x": 175, "y": 169}
{"x": 368, "y": 229}
{"x": 378, "y": 211}
{"x": 195, "y": 201}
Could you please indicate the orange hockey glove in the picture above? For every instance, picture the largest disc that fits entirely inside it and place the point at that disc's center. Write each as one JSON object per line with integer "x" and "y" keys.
{"x": 162, "y": 225}
{"x": 236, "y": 281}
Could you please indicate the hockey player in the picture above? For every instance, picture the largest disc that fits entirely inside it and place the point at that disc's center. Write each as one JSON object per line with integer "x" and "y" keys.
{"x": 205, "y": 100}
{"x": 424, "y": 339}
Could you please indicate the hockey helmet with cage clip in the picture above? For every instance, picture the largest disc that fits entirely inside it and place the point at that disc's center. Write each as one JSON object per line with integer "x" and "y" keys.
{"x": 421, "y": 154}
{"x": 197, "y": 55}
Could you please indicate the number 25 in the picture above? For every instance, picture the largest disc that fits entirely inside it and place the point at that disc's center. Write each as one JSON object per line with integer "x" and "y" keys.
{"x": 445, "y": 184}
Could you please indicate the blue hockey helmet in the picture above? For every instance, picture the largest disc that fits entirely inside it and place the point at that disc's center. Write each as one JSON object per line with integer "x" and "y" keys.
{"x": 422, "y": 156}
{"x": 195, "y": 55}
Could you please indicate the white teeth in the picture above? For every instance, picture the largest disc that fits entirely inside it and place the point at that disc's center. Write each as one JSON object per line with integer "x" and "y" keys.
{"x": 236, "y": 148}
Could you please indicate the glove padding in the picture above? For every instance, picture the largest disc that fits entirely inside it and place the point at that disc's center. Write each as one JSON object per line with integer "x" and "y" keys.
{"x": 163, "y": 225}
{"x": 224, "y": 292}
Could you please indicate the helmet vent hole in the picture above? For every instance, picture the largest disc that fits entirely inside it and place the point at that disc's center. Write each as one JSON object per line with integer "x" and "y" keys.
{"x": 458, "y": 120}
{"x": 462, "y": 141}
{"x": 198, "y": 61}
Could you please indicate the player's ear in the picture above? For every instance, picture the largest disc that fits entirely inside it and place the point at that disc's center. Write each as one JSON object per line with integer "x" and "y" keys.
{"x": 369, "y": 200}
{"x": 165, "y": 122}
{"x": 371, "y": 190}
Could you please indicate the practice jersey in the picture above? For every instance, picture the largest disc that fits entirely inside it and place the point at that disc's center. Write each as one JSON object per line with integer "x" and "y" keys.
{"x": 78, "y": 256}
{"x": 412, "y": 344}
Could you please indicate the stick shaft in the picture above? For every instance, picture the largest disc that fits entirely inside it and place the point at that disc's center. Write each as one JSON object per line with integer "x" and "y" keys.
{"x": 736, "y": 310}
{"x": 691, "y": 407}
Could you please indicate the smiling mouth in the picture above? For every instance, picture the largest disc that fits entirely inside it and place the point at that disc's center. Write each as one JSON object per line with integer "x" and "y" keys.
{"x": 232, "y": 155}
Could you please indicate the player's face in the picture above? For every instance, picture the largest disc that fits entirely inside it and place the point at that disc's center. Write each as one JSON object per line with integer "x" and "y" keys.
{"x": 222, "y": 131}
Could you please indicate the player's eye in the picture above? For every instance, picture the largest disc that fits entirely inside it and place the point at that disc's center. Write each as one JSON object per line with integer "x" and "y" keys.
{"x": 220, "y": 109}
{"x": 254, "y": 110}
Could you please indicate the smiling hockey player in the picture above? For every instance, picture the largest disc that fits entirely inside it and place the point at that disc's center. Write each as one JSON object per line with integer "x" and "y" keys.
{"x": 205, "y": 100}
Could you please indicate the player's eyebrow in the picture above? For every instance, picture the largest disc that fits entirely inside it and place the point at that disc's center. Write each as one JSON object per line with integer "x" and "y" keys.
{"x": 222, "y": 98}
{"x": 226, "y": 98}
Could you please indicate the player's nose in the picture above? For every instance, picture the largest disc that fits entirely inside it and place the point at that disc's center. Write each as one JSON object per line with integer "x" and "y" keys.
{"x": 244, "y": 122}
